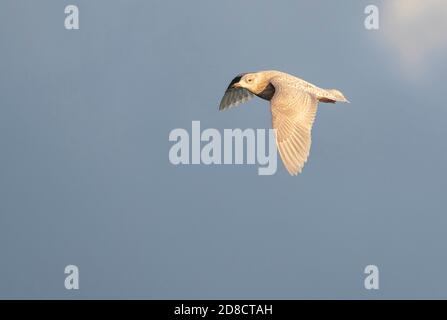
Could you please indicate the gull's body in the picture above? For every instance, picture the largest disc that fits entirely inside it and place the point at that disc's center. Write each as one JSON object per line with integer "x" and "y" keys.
{"x": 293, "y": 103}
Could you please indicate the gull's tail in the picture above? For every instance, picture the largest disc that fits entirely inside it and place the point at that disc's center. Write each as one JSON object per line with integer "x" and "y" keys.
{"x": 332, "y": 96}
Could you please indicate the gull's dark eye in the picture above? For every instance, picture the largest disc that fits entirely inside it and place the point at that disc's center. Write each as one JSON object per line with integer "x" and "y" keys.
{"x": 250, "y": 80}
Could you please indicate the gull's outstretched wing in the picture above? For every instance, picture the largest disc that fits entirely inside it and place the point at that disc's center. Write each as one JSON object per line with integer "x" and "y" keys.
{"x": 293, "y": 114}
{"x": 234, "y": 96}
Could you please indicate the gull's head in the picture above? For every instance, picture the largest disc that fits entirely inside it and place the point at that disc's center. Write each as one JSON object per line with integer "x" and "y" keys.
{"x": 249, "y": 81}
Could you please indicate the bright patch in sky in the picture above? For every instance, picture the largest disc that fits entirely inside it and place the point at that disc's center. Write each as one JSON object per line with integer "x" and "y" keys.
{"x": 415, "y": 31}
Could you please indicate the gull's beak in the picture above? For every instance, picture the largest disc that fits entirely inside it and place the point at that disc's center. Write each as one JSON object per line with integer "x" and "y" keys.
{"x": 236, "y": 85}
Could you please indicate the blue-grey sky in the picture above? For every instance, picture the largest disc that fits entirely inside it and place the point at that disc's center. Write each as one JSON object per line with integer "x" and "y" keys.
{"x": 85, "y": 177}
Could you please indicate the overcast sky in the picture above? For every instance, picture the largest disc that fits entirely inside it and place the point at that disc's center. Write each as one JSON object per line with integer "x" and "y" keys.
{"x": 85, "y": 177}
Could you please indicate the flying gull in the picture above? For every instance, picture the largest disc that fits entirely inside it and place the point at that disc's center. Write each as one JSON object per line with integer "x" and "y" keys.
{"x": 293, "y": 103}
